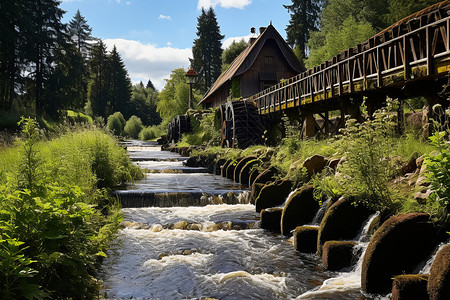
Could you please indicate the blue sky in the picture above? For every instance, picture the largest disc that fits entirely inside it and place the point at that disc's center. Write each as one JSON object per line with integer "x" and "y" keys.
{"x": 155, "y": 37}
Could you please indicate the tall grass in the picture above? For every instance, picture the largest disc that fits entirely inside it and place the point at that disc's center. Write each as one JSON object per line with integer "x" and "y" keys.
{"x": 56, "y": 214}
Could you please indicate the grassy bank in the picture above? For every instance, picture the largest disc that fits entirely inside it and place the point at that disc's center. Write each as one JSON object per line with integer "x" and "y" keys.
{"x": 57, "y": 215}
{"x": 373, "y": 155}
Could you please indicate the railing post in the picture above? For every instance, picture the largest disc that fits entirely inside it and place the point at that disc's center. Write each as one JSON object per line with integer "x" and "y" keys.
{"x": 428, "y": 42}
{"x": 406, "y": 68}
{"x": 379, "y": 79}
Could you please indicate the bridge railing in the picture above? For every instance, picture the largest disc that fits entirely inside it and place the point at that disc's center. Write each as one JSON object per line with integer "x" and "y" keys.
{"x": 388, "y": 59}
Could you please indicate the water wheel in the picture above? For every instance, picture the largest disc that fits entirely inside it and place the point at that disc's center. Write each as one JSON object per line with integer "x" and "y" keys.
{"x": 241, "y": 124}
{"x": 184, "y": 124}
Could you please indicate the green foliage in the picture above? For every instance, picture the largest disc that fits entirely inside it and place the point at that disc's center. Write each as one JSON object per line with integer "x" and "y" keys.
{"x": 55, "y": 221}
{"x": 207, "y": 49}
{"x": 438, "y": 173}
{"x": 116, "y": 123}
{"x": 143, "y": 104}
{"x": 133, "y": 127}
{"x": 369, "y": 164}
{"x": 204, "y": 131}
{"x": 235, "y": 91}
{"x": 398, "y": 9}
{"x": 233, "y": 51}
{"x": 148, "y": 133}
{"x": 326, "y": 44}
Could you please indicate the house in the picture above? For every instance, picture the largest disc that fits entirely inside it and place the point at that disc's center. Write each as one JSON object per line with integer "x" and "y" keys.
{"x": 266, "y": 61}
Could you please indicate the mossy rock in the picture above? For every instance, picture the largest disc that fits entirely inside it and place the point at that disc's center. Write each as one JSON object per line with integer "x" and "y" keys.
{"x": 439, "y": 280}
{"x": 342, "y": 221}
{"x": 266, "y": 175}
{"x": 244, "y": 175}
{"x": 300, "y": 209}
{"x": 218, "y": 165}
{"x": 192, "y": 162}
{"x": 396, "y": 248}
{"x": 337, "y": 255}
{"x": 305, "y": 239}
{"x": 252, "y": 176}
{"x": 270, "y": 219}
{"x": 230, "y": 169}
{"x": 224, "y": 167}
{"x": 273, "y": 194}
{"x": 256, "y": 189}
{"x": 240, "y": 165}
{"x": 414, "y": 286}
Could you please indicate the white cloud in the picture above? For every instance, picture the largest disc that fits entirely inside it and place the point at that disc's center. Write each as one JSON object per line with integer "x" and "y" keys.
{"x": 230, "y": 40}
{"x": 169, "y": 44}
{"x": 240, "y": 4}
{"x": 163, "y": 17}
{"x": 147, "y": 61}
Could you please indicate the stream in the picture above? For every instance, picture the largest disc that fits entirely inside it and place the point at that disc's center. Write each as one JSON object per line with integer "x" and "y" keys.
{"x": 188, "y": 234}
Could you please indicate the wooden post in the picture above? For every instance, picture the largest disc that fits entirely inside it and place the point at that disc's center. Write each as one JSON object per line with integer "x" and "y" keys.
{"x": 428, "y": 42}
{"x": 309, "y": 126}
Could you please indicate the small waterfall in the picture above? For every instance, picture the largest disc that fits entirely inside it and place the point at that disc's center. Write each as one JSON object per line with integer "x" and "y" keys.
{"x": 349, "y": 280}
{"x": 425, "y": 267}
{"x": 287, "y": 198}
{"x": 321, "y": 212}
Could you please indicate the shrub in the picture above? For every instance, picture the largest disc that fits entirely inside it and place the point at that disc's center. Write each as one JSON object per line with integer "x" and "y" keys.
{"x": 133, "y": 127}
{"x": 148, "y": 133}
{"x": 438, "y": 167}
{"x": 51, "y": 234}
{"x": 116, "y": 123}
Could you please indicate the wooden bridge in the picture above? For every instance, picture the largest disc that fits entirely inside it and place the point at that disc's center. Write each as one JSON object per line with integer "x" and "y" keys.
{"x": 410, "y": 58}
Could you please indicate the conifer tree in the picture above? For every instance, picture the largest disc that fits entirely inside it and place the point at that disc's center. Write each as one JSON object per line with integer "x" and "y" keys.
{"x": 207, "y": 49}
{"x": 304, "y": 19}
{"x": 120, "y": 85}
{"x": 80, "y": 33}
{"x": 150, "y": 85}
{"x": 98, "y": 88}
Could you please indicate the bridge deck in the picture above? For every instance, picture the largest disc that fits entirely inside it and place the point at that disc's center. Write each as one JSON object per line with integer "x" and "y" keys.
{"x": 416, "y": 50}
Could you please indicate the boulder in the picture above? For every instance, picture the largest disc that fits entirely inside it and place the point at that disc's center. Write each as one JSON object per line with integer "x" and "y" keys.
{"x": 334, "y": 163}
{"x": 273, "y": 194}
{"x": 256, "y": 189}
{"x": 239, "y": 165}
{"x": 315, "y": 164}
{"x": 270, "y": 219}
{"x": 337, "y": 255}
{"x": 266, "y": 175}
{"x": 218, "y": 165}
{"x": 396, "y": 248}
{"x": 299, "y": 209}
{"x": 439, "y": 280}
{"x": 410, "y": 166}
{"x": 224, "y": 167}
{"x": 244, "y": 175}
{"x": 342, "y": 221}
{"x": 192, "y": 162}
{"x": 405, "y": 287}
{"x": 230, "y": 169}
{"x": 252, "y": 176}
{"x": 305, "y": 239}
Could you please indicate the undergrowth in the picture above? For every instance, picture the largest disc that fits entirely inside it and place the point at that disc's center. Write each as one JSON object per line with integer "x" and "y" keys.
{"x": 57, "y": 216}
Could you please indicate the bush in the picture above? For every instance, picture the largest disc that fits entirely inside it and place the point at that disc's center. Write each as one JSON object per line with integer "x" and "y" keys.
{"x": 133, "y": 127}
{"x": 148, "y": 133}
{"x": 56, "y": 216}
{"x": 116, "y": 123}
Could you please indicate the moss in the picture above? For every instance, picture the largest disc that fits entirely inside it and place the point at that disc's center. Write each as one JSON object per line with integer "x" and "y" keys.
{"x": 266, "y": 176}
{"x": 230, "y": 168}
{"x": 337, "y": 255}
{"x": 342, "y": 221}
{"x": 305, "y": 239}
{"x": 410, "y": 287}
{"x": 240, "y": 165}
{"x": 396, "y": 248}
{"x": 300, "y": 209}
{"x": 244, "y": 175}
{"x": 225, "y": 167}
{"x": 439, "y": 281}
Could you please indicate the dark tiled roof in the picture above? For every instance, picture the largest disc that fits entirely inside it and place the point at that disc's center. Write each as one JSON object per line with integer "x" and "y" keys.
{"x": 245, "y": 60}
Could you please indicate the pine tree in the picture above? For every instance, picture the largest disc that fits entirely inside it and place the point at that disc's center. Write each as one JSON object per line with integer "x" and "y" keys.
{"x": 44, "y": 35}
{"x": 120, "y": 85}
{"x": 304, "y": 18}
{"x": 98, "y": 88}
{"x": 207, "y": 49}
{"x": 80, "y": 32}
{"x": 150, "y": 85}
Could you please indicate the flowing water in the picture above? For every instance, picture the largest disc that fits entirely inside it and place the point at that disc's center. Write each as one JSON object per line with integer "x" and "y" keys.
{"x": 206, "y": 249}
